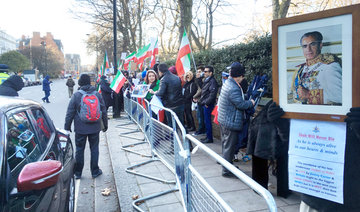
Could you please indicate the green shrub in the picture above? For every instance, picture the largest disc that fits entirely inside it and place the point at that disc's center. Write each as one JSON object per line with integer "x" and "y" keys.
{"x": 254, "y": 55}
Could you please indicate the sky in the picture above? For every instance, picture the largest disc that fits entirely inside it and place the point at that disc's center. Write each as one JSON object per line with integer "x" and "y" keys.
{"x": 23, "y": 17}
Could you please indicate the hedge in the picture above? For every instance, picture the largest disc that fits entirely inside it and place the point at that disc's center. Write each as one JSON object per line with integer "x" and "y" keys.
{"x": 255, "y": 55}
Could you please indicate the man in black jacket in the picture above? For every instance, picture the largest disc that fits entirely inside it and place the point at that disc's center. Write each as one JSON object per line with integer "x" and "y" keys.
{"x": 170, "y": 93}
{"x": 11, "y": 86}
{"x": 207, "y": 100}
{"x": 84, "y": 130}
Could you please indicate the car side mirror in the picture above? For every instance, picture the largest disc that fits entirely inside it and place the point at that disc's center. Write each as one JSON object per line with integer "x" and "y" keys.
{"x": 39, "y": 175}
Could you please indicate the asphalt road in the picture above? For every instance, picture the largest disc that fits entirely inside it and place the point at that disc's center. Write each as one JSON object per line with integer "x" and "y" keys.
{"x": 88, "y": 190}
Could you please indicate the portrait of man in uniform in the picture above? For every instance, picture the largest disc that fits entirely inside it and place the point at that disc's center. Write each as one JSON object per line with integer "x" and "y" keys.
{"x": 317, "y": 81}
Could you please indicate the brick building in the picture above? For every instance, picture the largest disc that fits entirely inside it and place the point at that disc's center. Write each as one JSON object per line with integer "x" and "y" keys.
{"x": 38, "y": 41}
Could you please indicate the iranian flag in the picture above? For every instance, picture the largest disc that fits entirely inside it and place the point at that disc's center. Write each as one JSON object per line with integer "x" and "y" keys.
{"x": 118, "y": 82}
{"x": 128, "y": 59}
{"x": 183, "y": 59}
{"x": 142, "y": 54}
{"x": 105, "y": 64}
{"x": 155, "y": 52}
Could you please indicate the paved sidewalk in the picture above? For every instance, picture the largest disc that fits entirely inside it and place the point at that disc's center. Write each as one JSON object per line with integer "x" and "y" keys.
{"x": 238, "y": 195}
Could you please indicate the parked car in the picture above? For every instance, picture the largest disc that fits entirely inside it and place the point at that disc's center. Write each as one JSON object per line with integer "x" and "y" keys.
{"x": 36, "y": 159}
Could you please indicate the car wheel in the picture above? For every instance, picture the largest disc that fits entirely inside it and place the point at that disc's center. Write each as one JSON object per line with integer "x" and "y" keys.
{"x": 70, "y": 201}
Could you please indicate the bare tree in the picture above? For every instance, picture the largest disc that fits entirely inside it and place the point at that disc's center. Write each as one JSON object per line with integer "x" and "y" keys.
{"x": 280, "y": 9}
{"x": 185, "y": 9}
{"x": 129, "y": 19}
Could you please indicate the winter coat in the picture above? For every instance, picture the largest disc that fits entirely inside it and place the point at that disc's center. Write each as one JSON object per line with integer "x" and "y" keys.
{"x": 107, "y": 93}
{"x": 232, "y": 105}
{"x": 170, "y": 90}
{"x": 190, "y": 89}
{"x": 209, "y": 91}
{"x": 265, "y": 140}
{"x": 70, "y": 83}
{"x": 46, "y": 84}
{"x": 199, "y": 83}
{"x": 11, "y": 86}
{"x": 73, "y": 110}
{"x": 155, "y": 87}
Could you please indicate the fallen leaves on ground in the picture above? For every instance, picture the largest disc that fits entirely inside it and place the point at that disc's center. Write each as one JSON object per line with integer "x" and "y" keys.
{"x": 106, "y": 191}
{"x": 134, "y": 197}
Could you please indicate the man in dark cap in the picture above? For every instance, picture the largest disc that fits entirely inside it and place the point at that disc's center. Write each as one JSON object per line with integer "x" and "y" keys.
{"x": 84, "y": 129}
{"x": 232, "y": 106}
{"x": 170, "y": 92}
{"x": 11, "y": 86}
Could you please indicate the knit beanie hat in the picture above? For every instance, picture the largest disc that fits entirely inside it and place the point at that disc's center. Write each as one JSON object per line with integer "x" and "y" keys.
{"x": 84, "y": 80}
{"x": 237, "y": 70}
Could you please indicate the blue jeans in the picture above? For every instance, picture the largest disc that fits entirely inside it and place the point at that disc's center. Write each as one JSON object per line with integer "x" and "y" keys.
{"x": 47, "y": 94}
{"x": 179, "y": 111}
{"x": 200, "y": 117}
{"x": 80, "y": 142}
{"x": 207, "y": 120}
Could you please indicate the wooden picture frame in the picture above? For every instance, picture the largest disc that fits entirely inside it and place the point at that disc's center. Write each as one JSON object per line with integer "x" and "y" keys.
{"x": 305, "y": 90}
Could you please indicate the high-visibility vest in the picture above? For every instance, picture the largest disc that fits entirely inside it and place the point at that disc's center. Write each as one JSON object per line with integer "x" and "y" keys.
{"x": 3, "y": 77}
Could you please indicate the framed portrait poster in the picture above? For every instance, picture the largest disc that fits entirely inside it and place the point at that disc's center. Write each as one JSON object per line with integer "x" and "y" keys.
{"x": 316, "y": 62}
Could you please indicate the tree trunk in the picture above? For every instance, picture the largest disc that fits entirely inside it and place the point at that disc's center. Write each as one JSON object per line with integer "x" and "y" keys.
{"x": 185, "y": 7}
{"x": 280, "y": 9}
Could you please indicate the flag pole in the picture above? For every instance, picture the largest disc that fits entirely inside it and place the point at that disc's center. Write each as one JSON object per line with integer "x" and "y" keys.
{"x": 192, "y": 55}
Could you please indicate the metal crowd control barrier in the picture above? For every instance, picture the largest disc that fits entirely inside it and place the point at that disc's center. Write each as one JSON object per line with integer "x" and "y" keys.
{"x": 134, "y": 110}
{"x": 171, "y": 146}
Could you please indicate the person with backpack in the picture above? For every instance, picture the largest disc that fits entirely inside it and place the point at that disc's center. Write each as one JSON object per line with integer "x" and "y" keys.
{"x": 70, "y": 84}
{"x": 87, "y": 109}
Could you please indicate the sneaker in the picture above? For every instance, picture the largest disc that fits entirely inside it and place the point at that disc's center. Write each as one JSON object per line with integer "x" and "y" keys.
{"x": 77, "y": 176}
{"x": 207, "y": 141}
{"x": 198, "y": 133}
{"x": 236, "y": 158}
{"x": 97, "y": 174}
{"x": 228, "y": 175}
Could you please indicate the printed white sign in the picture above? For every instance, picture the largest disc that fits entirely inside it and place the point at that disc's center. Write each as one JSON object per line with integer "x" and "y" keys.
{"x": 316, "y": 158}
{"x": 155, "y": 104}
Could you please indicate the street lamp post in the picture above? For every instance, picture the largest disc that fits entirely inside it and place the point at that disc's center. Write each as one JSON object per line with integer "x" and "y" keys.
{"x": 116, "y": 113}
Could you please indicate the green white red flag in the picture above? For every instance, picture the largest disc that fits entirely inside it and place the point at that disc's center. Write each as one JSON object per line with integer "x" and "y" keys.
{"x": 142, "y": 54}
{"x": 105, "y": 64}
{"x": 128, "y": 59}
{"x": 155, "y": 51}
{"x": 118, "y": 82}
{"x": 183, "y": 59}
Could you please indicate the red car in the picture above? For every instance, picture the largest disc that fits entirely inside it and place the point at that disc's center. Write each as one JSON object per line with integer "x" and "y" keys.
{"x": 36, "y": 159}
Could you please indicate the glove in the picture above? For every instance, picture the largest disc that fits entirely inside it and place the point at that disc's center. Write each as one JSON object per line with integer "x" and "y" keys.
{"x": 274, "y": 112}
{"x": 68, "y": 130}
{"x": 105, "y": 128}
{"x": 353, "y": 120}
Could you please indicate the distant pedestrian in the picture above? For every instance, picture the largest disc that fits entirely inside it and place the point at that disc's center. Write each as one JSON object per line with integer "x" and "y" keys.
{"x": 70, "y": 83}
{"x": 207, "y": 100}
{"x": 106, "y": 92}
{"x": 87, "y": 124}
{"x": 231, "y": 112}
{"x": 46, "y": 88}
{"x": 11, "y": 86}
